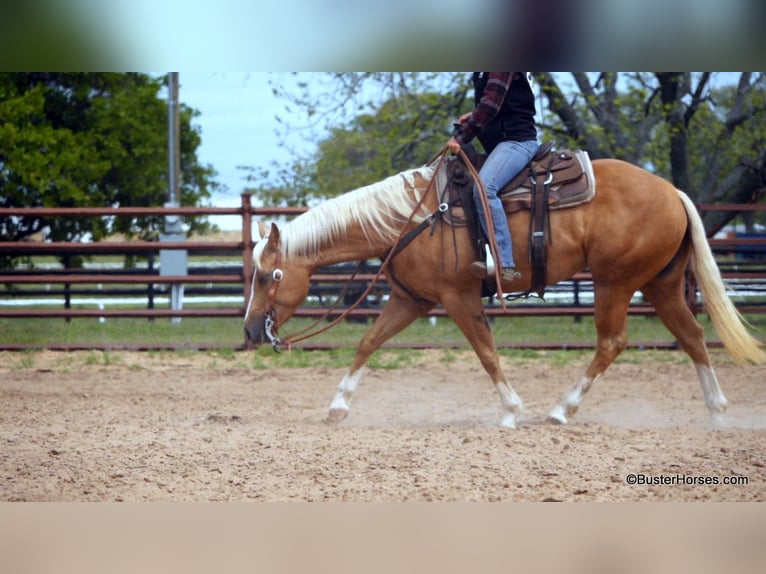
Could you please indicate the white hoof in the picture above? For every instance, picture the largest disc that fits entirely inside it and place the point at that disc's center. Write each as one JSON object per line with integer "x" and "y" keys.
{"x": 336, "y": 415}
{"x": 557, "y": 416}
{"x": 509, "y": 421}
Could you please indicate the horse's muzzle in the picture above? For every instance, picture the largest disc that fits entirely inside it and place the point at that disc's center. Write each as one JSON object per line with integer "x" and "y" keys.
{"x": 263, "y": 330}
{"x": 255, "y": 330}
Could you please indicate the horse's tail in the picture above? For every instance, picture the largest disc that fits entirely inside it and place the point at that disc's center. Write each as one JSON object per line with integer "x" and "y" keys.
{"x": 728, "y": 322}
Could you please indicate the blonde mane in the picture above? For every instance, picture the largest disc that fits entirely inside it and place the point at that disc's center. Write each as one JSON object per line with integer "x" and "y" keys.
{"x": 380, "y": 208}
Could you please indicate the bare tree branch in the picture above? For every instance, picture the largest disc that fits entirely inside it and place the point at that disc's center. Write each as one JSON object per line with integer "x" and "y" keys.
{"x": 574, "y": 124}
{"x": 739, "y": 113}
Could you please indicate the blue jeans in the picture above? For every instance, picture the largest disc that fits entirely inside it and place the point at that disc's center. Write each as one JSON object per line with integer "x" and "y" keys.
{"x": 502, "y": 165}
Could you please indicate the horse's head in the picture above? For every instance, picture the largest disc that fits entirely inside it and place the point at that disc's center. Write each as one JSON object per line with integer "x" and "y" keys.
{"x": 278, "y": 287}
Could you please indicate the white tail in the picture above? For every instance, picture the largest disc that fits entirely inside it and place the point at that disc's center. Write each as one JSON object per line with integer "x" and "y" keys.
{"x": 728, "y": 322}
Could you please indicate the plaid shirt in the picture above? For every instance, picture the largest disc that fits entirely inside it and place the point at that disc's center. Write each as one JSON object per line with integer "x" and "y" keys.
{"x": 490, "y": 103}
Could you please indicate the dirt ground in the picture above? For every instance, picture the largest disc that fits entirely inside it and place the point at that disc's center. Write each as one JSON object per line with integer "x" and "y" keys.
{"x": 196, "y": 427}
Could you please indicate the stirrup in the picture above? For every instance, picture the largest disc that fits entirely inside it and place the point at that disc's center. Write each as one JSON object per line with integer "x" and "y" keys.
{"x": 490, "y": 262}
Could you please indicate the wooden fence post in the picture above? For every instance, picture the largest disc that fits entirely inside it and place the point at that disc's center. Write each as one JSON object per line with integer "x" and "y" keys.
{"x": 247, "y": 250}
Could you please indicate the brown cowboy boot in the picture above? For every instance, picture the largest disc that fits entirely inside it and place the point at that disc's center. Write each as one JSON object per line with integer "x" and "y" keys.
{"x": 479, "y": 269}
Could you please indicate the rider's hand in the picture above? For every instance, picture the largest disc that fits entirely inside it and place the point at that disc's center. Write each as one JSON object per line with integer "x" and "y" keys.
{"x": 453, "y": 146}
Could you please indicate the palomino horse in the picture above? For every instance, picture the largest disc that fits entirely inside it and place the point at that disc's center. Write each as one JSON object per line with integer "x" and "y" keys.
{"x": 637, "y": 234}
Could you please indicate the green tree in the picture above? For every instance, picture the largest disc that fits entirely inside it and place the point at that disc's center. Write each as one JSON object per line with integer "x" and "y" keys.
{"x": 91, "y": 140}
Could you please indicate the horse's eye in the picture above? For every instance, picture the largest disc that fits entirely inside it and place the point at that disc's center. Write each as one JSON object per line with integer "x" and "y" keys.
{"x": 262, "y": 278}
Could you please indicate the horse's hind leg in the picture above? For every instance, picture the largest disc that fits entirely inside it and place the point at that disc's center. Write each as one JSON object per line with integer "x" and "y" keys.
{"x": 666, "y": 294}
{"x": 610, "y": 316}
{"x": 398, "y": 313}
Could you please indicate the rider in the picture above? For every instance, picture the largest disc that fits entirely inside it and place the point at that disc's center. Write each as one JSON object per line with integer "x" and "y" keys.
{"x": 503, "y": 120}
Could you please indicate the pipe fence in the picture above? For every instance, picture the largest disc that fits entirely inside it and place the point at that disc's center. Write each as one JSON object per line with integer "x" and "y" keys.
{"x": 223, "y": 289}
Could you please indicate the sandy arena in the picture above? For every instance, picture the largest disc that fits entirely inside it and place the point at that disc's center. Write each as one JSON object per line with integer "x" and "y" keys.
{"x": 201, "y": 427}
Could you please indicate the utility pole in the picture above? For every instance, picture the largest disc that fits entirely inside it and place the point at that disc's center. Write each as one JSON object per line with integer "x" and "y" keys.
{"x": 174, "y": 261}
{"x": 174, "y": 140}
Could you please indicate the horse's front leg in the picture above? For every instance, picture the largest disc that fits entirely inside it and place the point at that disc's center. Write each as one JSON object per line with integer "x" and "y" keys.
{"x": 468, "y": 313}
{"x": 398, "y": 313}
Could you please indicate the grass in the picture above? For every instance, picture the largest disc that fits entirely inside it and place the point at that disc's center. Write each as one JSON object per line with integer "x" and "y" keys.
{"x": 226, "y": 333}
{"x": 191, "y": 331}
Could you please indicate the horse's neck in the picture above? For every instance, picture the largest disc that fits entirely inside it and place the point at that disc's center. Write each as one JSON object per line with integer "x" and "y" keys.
{"x": 354, "y": 246}
{"x": 350, "y": 254}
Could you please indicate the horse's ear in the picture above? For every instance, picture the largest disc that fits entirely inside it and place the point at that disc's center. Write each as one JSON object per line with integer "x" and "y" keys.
{"x": 273, "y": 244}
{"x": 262, "y": 229}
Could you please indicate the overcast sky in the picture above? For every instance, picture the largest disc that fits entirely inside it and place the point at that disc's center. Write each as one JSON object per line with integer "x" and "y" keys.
{"x": 237, "y": 111}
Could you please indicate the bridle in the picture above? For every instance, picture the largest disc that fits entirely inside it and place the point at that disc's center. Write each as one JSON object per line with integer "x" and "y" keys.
{"x": 270, "y": 324}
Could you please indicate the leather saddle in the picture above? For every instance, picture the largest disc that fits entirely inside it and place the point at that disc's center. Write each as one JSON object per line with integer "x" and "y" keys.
{"x": 567, "y": 175}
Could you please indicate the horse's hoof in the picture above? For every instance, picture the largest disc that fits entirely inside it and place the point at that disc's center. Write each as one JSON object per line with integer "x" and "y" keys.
{"x": 557, "y": 416}
{"x": 334, "y": 416}
{"x": 509, "y": 421}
